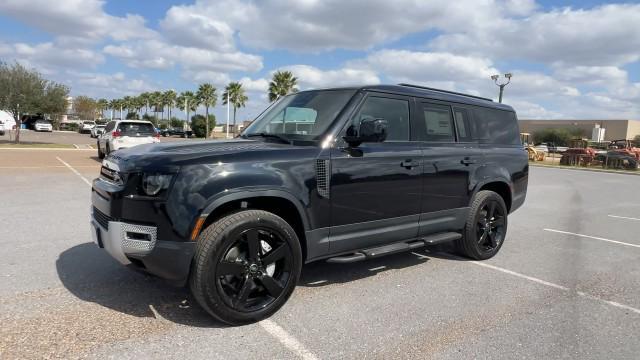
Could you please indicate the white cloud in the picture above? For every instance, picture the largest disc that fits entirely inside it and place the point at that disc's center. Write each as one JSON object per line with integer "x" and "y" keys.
{"x": 108, "y": 85}
{"x": 312, "y": 77}
{"x": 313, "y": 25}
{"x": 49, "y": 57}
{"x": 191, "y": 29}
{"x": 607, "y": 34}
{"x": 77, "y": 18}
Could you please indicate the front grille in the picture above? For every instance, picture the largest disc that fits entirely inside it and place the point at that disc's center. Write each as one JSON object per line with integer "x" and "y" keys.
{"x": 101, "y": 218}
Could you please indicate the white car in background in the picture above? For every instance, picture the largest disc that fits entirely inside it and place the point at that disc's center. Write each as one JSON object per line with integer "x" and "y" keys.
{"x": 121, "y": 134}
{"x": 42, "y": 125}
{"x": 7, "y": 123}
{"x": 97, "y": 130}
{"x": 86, "y": 126}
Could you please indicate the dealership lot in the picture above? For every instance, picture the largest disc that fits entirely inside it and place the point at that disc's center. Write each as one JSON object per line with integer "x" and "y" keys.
{"x": 62, "y": 137}
{"x": 565, "y": 284}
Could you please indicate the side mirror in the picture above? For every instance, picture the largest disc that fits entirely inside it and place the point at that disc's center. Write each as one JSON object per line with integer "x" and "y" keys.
{"x": 369, "y": 130}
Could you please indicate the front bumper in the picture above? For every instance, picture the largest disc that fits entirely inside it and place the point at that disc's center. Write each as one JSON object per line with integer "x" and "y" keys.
{"x": 138, "y": 246}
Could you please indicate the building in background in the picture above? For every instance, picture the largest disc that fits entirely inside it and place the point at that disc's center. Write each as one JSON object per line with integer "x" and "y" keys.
{"x": 607, "y": 129}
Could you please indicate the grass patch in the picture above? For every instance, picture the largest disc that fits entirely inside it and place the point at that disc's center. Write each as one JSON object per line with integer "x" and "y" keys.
{"x": 35, "y": 145}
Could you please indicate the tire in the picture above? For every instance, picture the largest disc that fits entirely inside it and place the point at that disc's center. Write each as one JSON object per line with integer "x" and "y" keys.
{"x": 484, "y": 233}
{"x": 107, "y": 149}
{"x": 224, "y": 274}
{"x": 100, "y": 153}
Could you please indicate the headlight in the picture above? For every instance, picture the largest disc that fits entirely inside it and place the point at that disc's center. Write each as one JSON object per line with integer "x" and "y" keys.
{"x": 152, "y": 184}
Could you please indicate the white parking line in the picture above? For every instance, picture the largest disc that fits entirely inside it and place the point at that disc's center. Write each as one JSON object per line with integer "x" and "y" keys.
{"x": 623, "y": 217}
{"x": 556, "y": 286}
{"x": 74, "y": 171}
{"x": 593, "y": 237}
{"x": 287, "y": 340}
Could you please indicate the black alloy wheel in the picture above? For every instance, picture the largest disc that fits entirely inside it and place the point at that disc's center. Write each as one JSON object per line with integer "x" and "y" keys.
{"x": 490, "y": 227}
{"x": 252, "y": 272}
{"x": 246, "y": 265}
{"x": 486, "y": 226}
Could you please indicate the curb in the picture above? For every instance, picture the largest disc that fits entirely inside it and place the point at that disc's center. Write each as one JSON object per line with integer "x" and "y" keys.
{"x": 586, "y": 169}
{"x": 45, "y": 149}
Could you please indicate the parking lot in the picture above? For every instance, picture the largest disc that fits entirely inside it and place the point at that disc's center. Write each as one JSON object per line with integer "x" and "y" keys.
{"x": 565, "y": 284}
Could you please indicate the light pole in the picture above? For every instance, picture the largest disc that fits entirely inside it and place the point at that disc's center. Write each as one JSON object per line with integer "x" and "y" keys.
{"x": 501, "y": 85}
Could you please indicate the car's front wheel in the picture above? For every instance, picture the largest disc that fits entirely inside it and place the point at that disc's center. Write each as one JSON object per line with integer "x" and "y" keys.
{"x": 246, "y": 266}
{"x": 486, "y": 226}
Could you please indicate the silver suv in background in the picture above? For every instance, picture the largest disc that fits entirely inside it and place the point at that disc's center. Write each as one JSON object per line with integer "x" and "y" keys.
{"x": 86, "y": 126}
{"x": 120, "y": 134}
{"x": 97, "y": 130}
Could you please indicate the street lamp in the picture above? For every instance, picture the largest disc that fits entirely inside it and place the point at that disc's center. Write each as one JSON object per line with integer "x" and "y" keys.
{"x": 501, "y": 85}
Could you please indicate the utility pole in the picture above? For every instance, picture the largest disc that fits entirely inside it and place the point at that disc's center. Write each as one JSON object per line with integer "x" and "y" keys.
{"x": 501, "y": 85}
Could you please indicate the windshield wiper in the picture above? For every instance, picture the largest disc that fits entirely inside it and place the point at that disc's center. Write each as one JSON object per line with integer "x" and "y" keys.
{"x": 282, "y": 138}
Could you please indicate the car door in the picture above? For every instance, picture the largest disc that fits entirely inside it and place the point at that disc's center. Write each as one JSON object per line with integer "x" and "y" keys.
{"x": 451, "y": 159}
{"x": 375, "y": 187}
{"x": 104, "y": 137}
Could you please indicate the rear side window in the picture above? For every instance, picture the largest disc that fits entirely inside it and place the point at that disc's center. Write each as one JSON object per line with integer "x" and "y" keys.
{"x": 492, "y": 126}
{"x": 133, "y": 129}
{"x": 438, "y": 124}
{"x": 461, "y": 117}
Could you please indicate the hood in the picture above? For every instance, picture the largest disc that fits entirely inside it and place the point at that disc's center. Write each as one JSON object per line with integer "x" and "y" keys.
{"x": 174, "y": 154}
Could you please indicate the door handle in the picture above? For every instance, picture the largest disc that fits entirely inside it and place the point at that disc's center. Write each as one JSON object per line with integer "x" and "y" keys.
{"x": 467, "y": 161}
{"x": 408, "y": 164}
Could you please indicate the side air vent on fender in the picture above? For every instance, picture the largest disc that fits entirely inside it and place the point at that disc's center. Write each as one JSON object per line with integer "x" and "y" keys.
{"x": 323, "y": 173}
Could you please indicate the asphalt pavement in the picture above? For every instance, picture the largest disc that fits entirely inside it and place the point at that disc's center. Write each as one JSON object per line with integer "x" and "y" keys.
{"x": 566, "y": 284}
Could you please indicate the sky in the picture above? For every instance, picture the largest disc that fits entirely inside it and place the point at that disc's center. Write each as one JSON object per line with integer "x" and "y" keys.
{"x": 569, "y": 59}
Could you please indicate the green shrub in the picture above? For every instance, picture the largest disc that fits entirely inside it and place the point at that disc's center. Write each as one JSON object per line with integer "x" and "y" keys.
{"x": 199, "y": 126}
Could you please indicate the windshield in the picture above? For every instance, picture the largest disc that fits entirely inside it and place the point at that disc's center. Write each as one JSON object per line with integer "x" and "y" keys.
{"x": 303, "y": 116}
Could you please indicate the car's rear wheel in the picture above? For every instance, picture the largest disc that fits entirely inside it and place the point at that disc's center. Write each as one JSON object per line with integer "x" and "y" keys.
{"x": 246, "y": 266}
{"x": 486, "y": 226}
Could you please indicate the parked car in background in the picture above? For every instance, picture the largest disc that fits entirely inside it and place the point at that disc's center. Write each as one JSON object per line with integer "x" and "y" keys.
{"x": 120, "y": 134}
{"x": 86, "y": 126}
{"x": 176, "y": 131}
{"x": 342, "y": 175}
{"x": 97, "y": 130}
{"x": 42, "y": 125}
{"x": 1, "y": 128}
{"x": 7, "y": 121}
{"x": 542, "y": 147}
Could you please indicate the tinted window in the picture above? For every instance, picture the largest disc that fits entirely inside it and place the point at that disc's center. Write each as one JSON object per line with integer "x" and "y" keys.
{"x": 461, "y": 117}
{"x": 495, "y": 126}
{"x": 133, "y": 129}
{"x": 394, "y": 111}
{"x": 437, "y": 119}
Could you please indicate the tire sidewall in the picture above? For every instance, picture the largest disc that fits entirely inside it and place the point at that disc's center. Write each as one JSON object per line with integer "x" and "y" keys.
{"x": 203, "y": 276}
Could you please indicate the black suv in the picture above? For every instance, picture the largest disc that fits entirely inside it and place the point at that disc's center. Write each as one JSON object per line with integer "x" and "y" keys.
{"x": 341, "y": 174}
{"x": 176, "y": 131}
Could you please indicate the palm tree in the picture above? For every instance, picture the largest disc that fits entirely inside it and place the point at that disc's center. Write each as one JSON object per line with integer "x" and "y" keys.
{"x": 145, "y": 98}
{"x": 156, "y": 101}
{"x": 186, "y": 102}
{"x": 234, "y": 93}
{"x": 282, "y": 83}
{"x": 170, "y": 98}
{"x": 127, "y": 104}
{"x": 102, "y": 104}
{"x": 207, "y": 96}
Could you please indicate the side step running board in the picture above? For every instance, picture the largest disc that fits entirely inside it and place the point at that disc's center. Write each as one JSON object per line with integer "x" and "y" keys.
{"x": 395, "y": 248}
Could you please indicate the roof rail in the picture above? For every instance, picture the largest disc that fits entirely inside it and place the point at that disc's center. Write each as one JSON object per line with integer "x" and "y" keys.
{"x": 444, "y": 91}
